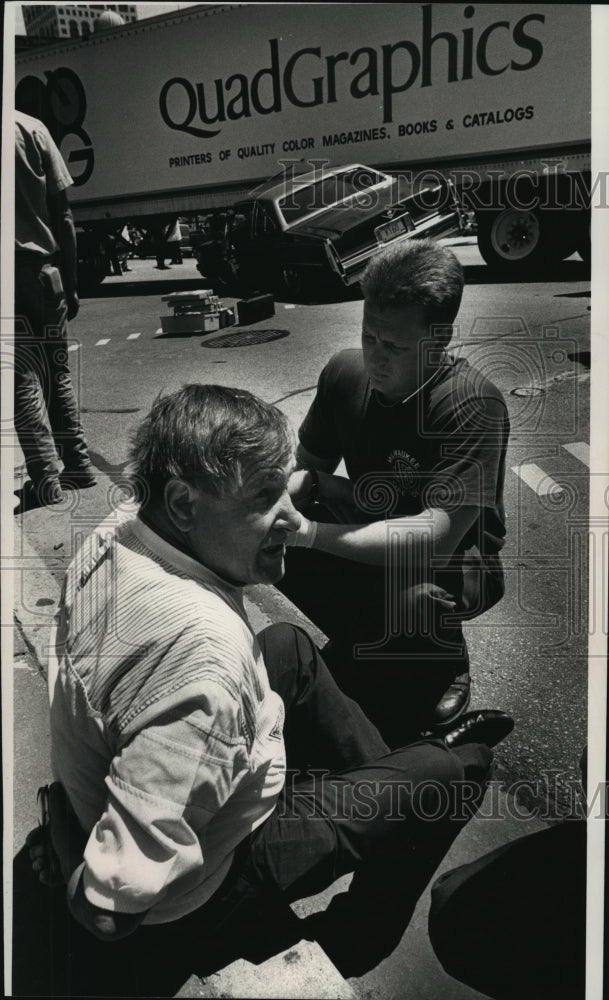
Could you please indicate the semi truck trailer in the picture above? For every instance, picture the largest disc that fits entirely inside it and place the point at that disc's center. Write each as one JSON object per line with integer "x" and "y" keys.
{"x": 184, "y": 113}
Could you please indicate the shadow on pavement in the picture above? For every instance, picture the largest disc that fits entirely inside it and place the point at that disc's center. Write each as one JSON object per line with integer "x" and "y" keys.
{"x": 475, "y": 274}
{"x": 565, "y": 271}
{"x": 162, "y": 286}
{"x": 54, "y": 956}
{"x": 364, "y": 925}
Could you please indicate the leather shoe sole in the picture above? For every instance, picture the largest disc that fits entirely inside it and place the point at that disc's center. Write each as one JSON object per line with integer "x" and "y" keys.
{"x": 487, "y": 726}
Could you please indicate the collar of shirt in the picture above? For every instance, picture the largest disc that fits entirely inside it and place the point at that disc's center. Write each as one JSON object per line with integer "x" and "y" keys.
{"x": 184, "y": 563}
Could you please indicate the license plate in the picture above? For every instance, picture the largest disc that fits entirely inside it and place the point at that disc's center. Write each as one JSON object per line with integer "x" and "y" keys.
{"x": 389, "y": 230}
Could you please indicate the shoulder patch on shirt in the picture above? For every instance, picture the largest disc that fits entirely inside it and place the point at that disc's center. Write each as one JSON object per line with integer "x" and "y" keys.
{"x": 407, "y": 470}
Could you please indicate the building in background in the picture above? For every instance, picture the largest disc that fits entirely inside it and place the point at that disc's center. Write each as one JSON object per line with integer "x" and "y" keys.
{"x": 75, "y": 20}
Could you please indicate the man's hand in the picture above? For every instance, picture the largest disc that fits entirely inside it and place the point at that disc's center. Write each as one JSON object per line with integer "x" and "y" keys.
{"x": 73, "y": 304}
{"x": 43, "y": 858}
{"x": 305, "y": 534}
{"x": 56, "y": 851}
{"x": 57, "y": 846}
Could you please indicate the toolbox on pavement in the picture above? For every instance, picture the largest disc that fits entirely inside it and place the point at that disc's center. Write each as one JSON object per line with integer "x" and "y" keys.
{"x": 254, "y": 309}
{"x": 196, "y": 312}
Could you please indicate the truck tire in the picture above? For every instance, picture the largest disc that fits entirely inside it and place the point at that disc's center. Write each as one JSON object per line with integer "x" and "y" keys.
{"x": 520, "y": 241}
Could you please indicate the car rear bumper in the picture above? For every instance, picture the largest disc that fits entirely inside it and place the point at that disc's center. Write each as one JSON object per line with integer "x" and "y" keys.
{"x": 350, "y": 267}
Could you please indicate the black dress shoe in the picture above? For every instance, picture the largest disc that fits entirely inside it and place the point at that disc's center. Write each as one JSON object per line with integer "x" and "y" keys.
{"x": 486, "y": 726}
{"x": 33, "y": 495}
{"x": 453, "y": 702}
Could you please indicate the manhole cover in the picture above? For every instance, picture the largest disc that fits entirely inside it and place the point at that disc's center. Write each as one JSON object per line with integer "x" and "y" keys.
{"x": 246, "y": 338}
{"x": 527, "y": 390}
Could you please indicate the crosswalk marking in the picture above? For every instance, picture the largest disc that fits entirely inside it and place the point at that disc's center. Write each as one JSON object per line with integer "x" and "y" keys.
{"x": 100, "y": 343}
{"x": 537, "y": 479}
{"x": 581, "y": 451}
{"x": 133, "y": 336}
{"x": 74, "y": 347}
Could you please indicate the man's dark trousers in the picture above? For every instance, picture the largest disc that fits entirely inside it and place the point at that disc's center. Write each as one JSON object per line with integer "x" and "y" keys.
{"x": 347, "y": 796}
{"x": 393, "y": 646}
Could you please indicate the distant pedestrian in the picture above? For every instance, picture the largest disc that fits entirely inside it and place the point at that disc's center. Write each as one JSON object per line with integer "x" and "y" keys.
{"x": 45, "y": 299}
{"x": 127, "y": 247}
{"x": 159, "y": 242}
{"x": 112, "y": 251}
{"x": 173, "y": 237}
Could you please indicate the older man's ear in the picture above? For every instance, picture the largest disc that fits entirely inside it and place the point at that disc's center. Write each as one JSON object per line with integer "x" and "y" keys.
{"x": 180, "y": 503}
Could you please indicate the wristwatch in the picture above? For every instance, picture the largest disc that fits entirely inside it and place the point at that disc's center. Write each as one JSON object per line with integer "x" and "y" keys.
{"x": 314, "y": 491}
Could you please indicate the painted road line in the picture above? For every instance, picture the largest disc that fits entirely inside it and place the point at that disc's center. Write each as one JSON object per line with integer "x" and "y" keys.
{"x": 289, "y": 306}
{"x": 100, "y": 343}
{"x": 581, "y": 451}
{"x": 74, "y": 347}
{"x": 133, "y": 336}
{"x": 537, "y": 479}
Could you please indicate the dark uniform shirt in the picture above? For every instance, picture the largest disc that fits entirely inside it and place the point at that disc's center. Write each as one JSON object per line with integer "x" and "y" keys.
{"x": 444, "y": 447}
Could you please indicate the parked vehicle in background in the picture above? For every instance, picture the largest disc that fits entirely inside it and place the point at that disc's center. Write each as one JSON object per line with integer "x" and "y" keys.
{"x": 321, "y": 227}
{"x": 478, "y": 94}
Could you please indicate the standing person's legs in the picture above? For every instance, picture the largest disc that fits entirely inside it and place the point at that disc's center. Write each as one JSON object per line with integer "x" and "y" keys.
{"x": 31, "y": 376}
{"x": 58, "y": 391}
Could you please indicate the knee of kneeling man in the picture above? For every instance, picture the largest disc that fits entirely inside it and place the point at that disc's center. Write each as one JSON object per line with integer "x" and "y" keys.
{"x": 282, "y": 637}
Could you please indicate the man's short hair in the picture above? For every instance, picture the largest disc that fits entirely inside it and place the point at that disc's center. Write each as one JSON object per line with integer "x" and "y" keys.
{"x": 205, "y": 435}
{"x": 416, "y": 272}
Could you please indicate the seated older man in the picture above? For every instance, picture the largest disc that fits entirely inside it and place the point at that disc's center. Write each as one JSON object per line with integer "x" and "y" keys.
{"x": 196, "y": 757}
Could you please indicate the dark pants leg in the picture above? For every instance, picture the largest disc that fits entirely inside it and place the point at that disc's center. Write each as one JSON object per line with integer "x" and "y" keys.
{"x": 513, "y": 923}
{"x": 42, "y": 376}
{"x": 393, "y": 647}
{"x": 363, "y": 800}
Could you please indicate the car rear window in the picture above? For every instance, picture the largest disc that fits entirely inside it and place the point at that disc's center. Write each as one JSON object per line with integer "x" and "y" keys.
{"x": 327, "y": 191}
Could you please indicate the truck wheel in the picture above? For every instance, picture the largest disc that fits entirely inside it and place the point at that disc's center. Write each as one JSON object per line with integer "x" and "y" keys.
{"x": 516, "y": 241}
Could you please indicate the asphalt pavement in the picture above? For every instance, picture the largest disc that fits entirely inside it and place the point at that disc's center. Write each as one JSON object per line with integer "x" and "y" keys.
{"x": 528, "y": 653}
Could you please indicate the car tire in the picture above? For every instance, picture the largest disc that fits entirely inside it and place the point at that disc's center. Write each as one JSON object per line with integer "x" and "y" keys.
{"x": 291, "y": 282}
